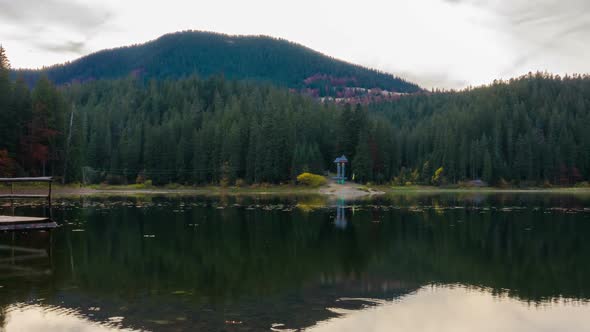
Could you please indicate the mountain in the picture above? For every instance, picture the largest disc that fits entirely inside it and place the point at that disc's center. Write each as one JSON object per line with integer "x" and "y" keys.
{"x": 257, "y": 58}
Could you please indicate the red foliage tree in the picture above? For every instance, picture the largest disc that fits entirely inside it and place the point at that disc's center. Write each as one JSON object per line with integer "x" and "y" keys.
{"x": 7, "y": 164}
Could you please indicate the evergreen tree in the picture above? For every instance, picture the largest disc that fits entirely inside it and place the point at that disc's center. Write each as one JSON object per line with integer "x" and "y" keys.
{"x": 487, "y": 172}
{"x": 362, "y": 166}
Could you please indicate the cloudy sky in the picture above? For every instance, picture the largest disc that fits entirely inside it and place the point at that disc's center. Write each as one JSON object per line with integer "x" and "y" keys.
{"x": 436, "y": 43}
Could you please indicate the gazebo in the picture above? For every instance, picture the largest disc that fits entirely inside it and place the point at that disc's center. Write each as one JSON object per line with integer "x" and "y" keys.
{"x": 340, "y": 169}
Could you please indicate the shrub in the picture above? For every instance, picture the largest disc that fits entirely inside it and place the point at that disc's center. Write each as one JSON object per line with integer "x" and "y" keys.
{"x": 503, "y": 183}
{"x": 438, "y": 177}
{"x": 224, "y": 182}
{"x": 173, "y": 186}
{"x": 140, "y": 178}
{"x": 312, "y": 180}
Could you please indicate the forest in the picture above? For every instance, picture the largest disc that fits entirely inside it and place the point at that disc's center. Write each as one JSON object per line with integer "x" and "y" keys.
{"x": 532, "y": 130}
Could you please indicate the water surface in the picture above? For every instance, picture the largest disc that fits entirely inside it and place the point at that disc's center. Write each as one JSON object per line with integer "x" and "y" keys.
{"x": 402, "y": 263}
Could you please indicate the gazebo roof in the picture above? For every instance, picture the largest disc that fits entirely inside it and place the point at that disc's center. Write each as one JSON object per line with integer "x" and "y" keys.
{"x": 341, "y": 159}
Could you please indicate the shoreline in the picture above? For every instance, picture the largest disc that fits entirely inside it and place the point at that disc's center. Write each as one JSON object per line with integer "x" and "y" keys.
{"x": 346, "y": 191}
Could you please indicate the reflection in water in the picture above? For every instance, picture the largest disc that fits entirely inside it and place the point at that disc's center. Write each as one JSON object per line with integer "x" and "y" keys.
{"x": 25, "y": 254}
{"x": 452, "y": 309}
{"x": 340, "y": 220}
{"x": 55, "y": 319}
{"x": 250, "y": 263}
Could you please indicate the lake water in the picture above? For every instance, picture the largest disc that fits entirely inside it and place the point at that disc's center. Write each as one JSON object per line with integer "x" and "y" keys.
{"x": 451, "y": 262}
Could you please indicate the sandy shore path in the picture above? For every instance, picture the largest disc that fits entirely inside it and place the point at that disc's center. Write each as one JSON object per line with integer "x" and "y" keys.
{"x": 348, "y": 190}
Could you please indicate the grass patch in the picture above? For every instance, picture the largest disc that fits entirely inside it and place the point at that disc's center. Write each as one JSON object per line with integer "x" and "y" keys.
{"x": 456, "y": 189}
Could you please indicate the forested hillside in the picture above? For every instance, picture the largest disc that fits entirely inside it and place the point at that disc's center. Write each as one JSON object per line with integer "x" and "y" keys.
{"x": 195, "y": 131}
{"x": 528, "y": 131}
{"x": 262, "y": 59}
{"x": 533, "y": 129}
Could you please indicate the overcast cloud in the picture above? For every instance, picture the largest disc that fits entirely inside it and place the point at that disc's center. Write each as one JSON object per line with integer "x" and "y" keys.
{"x": 435, "y": 43}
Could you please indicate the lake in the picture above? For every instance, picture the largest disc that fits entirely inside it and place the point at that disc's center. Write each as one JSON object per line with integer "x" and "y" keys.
{"x": 440, "y": 262}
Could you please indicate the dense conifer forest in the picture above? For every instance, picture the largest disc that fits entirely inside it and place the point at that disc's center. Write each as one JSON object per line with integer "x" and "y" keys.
{"x": 534, "y": 129}
{"x": 529, "y": 131}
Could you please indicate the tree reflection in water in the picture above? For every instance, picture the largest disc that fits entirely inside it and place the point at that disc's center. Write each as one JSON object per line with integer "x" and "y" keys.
{"x": 169, "y": 263}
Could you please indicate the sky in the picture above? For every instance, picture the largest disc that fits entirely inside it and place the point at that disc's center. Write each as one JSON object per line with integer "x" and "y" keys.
{"x": 456, "y": 308}
{"x": 449, "y": 44}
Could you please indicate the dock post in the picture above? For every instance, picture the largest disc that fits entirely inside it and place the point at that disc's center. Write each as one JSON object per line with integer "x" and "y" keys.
{"x": 49, "y": 200}
{"x": 12, "y": 199}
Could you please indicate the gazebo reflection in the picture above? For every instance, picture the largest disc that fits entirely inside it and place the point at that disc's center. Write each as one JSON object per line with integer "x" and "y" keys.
{"x": 340, "y": 221}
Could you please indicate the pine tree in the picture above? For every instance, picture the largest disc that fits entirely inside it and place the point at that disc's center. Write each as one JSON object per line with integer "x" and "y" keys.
{"x": 4, "y": 62}
{"x": 6, "y": 107}
{"x": 362, "y": 165}
{"x": 487, "y": 167}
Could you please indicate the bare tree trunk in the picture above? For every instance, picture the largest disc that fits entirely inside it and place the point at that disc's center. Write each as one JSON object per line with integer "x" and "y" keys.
{"x": 67, "y": 152}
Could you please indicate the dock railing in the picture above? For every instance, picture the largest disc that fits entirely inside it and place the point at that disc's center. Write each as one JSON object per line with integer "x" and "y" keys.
{"x": 14, "y": 195}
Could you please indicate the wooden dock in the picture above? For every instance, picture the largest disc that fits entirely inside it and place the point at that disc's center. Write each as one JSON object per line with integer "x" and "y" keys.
{"x": 23, "y": 223}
